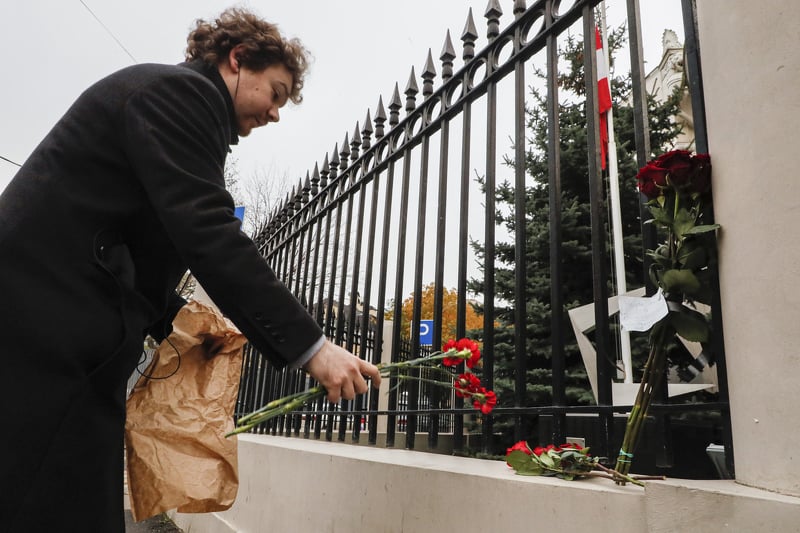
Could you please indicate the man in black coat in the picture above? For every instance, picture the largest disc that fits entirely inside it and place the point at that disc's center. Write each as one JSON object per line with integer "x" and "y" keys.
{"x": 122, "y": 196}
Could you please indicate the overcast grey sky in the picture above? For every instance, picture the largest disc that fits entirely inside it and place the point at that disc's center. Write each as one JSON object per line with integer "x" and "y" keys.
{"x": 54, "y": 49}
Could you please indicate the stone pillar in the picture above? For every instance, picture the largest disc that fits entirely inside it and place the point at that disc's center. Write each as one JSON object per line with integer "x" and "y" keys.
{"x": 751, "y": 74}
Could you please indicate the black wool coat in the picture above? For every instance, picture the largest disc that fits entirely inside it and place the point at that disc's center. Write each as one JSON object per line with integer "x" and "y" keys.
{"x": 122, "y": 196}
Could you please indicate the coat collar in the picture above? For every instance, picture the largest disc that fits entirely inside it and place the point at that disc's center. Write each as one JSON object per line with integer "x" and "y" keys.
{"x": 212, "y": 73}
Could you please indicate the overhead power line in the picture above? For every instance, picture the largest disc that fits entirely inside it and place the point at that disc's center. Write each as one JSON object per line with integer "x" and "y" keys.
{"x": 108, "y": 31}
{"x": 10, "y": 161}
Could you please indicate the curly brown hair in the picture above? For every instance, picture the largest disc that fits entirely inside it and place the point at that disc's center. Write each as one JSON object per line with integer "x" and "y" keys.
{"x": 263, "y": 45}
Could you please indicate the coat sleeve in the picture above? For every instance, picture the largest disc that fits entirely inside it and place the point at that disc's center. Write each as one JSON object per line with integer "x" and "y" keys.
{"x": 176, "y": 141}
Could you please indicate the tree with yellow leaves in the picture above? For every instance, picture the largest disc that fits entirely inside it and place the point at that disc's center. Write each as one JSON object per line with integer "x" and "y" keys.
{"x": 449, "y": 310}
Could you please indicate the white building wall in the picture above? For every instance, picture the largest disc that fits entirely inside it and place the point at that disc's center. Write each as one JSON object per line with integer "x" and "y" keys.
{"x": 751, "y": 75}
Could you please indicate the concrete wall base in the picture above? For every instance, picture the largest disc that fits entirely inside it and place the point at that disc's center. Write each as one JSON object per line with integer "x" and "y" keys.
{"x": 293, "y": 484}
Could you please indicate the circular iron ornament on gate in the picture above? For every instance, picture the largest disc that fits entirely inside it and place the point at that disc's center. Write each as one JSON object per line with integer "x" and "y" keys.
{"x": 502, "y": 50}
{"x": 454, "y": 93}
{"x": 532, "y": 28}
{"x": 562, "y": 7}
{"x": 476, "y": 73}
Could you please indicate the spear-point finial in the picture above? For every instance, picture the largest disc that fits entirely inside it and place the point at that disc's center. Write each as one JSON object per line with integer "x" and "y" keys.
{"x": 428, "y": 74}
{"x": 411, "y": 92}
{"x": 344, "y": 153}
{"x": 335, "y": 162}
{"x": 307, "y": 185}
{"x": 493, "y": 12}
{"x": 366, "y": 132}
{"x": 447, "y": 56}
{"x": 315, "y": 178}
{"x": 394, "y": 107}
{"x": 468, "y": 36}
{"x": 287, "y": 208}
{"x": 326, "y": 170}
{"x": 380, "y": 118}
{"x": 519, "y": 8}
{"x": 298, "y": 197}
{"x": 355, "y": 144}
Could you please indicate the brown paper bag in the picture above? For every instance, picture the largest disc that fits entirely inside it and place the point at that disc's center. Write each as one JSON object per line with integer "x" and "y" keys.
{"x": 177, "y": 453}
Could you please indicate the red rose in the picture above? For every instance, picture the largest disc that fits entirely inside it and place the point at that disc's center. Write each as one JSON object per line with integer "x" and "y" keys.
{"x": 674, "y": 157}
{"x": 521, "y": 446}
{"x": 538, "y": 451}
{"x": 651, "y": 179}
{"x": 701, "y": 180}
{"x": 678, "y": 164}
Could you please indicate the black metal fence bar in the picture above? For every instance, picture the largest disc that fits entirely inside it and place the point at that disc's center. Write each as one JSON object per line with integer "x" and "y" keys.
{"x": 401, "y": 258}
{"x": 599, "y": 256}
{"x": 557, "y": 308}
{"x": 448, "y": 54}
{"x": 695, "y": 79}
{"x": 413, "y": 388}
{"x": 520, "y": 252}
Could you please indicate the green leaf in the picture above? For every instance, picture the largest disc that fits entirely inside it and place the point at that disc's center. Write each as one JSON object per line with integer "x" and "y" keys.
{"x": 568, "y": 455}
{"x": 691, "y": 255}
{"x": 546, "y": 460}
{"x": 703, "y": 228}
{"x": 523, "y": 463}
{"x": 680, "y": 280}
{"x": 689, "y": 324}
{"x": 660, "y": 215}
{"x": 684, "y": 222}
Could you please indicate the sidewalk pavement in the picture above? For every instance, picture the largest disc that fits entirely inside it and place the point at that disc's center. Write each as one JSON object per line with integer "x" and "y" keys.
{"x": 156, "y": 524}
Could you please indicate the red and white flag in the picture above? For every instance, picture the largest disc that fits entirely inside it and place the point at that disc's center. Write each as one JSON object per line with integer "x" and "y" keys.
{"x": 603, "y": 95}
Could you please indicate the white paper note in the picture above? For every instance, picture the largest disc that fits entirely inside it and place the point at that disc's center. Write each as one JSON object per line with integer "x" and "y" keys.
{"x": 639, "y": 314}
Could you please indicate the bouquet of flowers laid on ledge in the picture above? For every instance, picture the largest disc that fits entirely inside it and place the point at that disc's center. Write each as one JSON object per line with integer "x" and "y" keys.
{"x": 568, "y": 461}
{"x": 454, "y": 352}
{"x": 676, "y": 184}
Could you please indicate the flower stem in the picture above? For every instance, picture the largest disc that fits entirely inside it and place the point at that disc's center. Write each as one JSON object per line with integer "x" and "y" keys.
{"x": 651, "y": 380}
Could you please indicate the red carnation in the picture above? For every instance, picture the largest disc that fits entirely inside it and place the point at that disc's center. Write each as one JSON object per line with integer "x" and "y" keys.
{"x": 474, "y": 351}
{"x": 484, "y": 400}
{"x": 466, "y": 385}
{"x": 461, "y": 350}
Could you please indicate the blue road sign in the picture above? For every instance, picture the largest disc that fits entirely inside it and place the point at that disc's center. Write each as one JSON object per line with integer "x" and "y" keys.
{"x": 426, "y": 332}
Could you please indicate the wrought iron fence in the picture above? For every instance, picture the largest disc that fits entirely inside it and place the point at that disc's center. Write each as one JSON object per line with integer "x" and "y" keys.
{"x": 395, "y": 206}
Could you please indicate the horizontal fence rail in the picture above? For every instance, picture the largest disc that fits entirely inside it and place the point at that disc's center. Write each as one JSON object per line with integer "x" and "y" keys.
{"x": 406, "y": 205}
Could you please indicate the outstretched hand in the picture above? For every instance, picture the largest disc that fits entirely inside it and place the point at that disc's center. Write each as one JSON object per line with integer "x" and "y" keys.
{"x": 341, "y": 373}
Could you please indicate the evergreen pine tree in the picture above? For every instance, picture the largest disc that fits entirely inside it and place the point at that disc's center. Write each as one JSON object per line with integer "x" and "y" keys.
{"x": 576, "y": 230}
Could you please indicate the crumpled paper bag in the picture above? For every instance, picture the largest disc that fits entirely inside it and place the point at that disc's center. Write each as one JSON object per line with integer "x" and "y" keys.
{"x": 177, "y": 453}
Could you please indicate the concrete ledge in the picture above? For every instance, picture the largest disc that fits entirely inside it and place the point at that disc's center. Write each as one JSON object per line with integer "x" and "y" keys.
{"x": 711, "y": 506}
{"x": 293, "y": 484}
